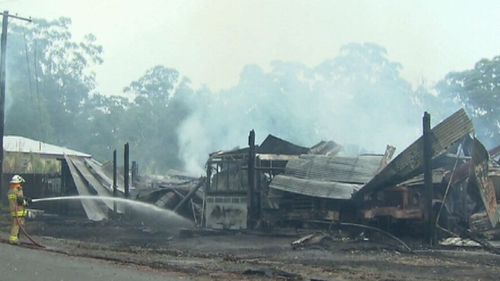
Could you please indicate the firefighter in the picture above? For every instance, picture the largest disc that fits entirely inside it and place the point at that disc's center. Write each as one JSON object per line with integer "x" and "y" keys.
{"x": 17, "y": 205}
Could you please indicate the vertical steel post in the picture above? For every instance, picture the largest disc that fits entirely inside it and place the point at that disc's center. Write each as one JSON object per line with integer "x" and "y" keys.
{"x": 115, "y": 185}
{"x": 126, "y": 170}
{"x": 428, "y": 185}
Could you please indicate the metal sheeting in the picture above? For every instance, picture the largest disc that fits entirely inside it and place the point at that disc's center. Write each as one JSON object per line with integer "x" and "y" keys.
{"x": 314, "y": 188}
{"x": 325, "y": 148}
{"x": 108, "y": 182}
{"x": 327, "y": 177}
{"x": 275, "y": 145}
{"x": 94, "y": 183}
{"x": 92, "y": 208}
{"x": 25, "y": 145}
{"x": 359, "y": 169}
{"x": 409, "y": 163}
{"x": 484, "y": 183}
{"x": 91, "y": 180}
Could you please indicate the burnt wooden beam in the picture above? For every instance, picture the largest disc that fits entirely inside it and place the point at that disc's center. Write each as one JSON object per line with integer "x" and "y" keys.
{"x": 115, "y": 185}
{"x": 252, "y": 192}
{"x": 126, "y": 170}
{"x": 427, "y": 167}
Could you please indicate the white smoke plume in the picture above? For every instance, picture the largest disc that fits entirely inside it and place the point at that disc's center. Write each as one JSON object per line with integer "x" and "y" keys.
{"x": 357, "y": 99}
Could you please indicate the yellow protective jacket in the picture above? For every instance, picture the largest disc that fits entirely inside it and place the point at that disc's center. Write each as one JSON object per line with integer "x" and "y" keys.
{"x": 17, "y": 209}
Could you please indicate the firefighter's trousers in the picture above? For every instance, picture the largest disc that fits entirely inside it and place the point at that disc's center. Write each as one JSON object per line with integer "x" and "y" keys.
{"x": 14, "y": 230}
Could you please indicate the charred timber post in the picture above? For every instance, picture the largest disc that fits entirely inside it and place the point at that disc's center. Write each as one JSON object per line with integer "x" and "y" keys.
{"x": 115, "y": 186}
{"x": 3, "y": 46}
{"x": 126, "y": 170}
{"x": 189, "y": 195}
{"x": 207, "y": 189}
{"x": 429, "y": 190}
{"x": 135, "y": 172}
{"x": 253, "y": 212}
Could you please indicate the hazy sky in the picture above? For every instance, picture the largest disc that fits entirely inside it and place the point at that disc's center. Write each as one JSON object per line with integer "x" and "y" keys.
{"x": 210, "y": 41}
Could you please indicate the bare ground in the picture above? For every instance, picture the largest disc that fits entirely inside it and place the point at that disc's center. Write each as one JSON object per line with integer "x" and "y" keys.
{"x": 253, "y": 256}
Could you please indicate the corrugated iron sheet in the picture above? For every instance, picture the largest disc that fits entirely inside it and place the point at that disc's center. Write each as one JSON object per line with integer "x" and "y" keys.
{"x": 409, "y": 163}
{"x": 325, "y": 148}
{"x": 275, "y": 145}
{"x": 479, "y": 176}
{"x": 25, "y": 145}
{"x": 359, "y": 169}
{"x": 314, "y": 188}
{"x": 327, "y": 177}
{"x": 99, "y": 173}
{"x": 94, "y": 183}
{"x": 94, "y": 210}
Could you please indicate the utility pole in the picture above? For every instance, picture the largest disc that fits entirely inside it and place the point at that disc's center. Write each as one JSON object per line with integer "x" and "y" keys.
{"x": 5, "y": 24}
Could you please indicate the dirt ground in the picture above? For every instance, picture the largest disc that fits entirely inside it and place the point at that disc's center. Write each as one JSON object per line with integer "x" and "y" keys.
{"x": 256, "y": 256}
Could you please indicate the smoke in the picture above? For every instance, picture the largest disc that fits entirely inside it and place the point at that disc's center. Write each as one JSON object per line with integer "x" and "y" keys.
{"x": 357, "y": 99}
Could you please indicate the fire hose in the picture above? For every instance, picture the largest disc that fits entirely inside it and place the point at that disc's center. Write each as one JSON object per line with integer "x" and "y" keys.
{"x": 23, "y": 230}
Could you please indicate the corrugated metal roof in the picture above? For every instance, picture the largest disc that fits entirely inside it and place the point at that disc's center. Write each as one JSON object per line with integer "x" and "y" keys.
{"x": 358, "y": 169}
{"x": 26, "y": 145}
{"x": 325, "y": 148}
{"x": 275, "y": 145}
{"x": 409, "y": 163}
{"x": 271, "y": 145}
{"x": 314, "y": 188}
{"x": 95, "y": 210}
{"x": 485, "y": 185}
{"x": 326, "y": 176}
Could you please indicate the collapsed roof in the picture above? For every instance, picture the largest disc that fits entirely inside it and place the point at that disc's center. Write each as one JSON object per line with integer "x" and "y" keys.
{"x": 350, "y": 177}
{"x": 91, "y": 179}
{"x": 330, "y": 177}
{"x": 409, "y": 163}
{"x": 17, "y": 144}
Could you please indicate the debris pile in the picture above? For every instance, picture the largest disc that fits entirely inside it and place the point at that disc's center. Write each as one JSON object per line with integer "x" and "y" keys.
{"x": 278, "y": 183}
{"x": 281, "y": 184}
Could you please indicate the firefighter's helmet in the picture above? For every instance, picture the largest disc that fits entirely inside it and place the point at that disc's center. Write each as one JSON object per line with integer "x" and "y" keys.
{"x": 17, "y": 179}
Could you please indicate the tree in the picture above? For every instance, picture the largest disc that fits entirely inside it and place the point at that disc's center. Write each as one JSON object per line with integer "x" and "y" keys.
{"x": 478, "y": 90}
{"x": 50, "y": 81}
{"x": 105, "y": 125}
{"x": 154, "y": 116}
{"x": 357, "y": 97}
{"x": 53, "y": 98}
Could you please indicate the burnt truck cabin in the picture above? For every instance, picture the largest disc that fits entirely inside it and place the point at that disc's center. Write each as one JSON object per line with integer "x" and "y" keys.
{"x": 238, "y": 180}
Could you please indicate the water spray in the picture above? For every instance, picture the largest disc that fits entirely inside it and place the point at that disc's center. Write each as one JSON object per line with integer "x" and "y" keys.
{"x": 133, "y": 203}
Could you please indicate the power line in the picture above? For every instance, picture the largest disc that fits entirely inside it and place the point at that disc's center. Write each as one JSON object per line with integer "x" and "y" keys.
{"x": 35, "y": 99}
{"x": 3, "y": 46}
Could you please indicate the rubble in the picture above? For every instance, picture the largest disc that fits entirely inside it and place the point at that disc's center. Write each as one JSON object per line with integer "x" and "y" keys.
{"x": 279, "y": 183}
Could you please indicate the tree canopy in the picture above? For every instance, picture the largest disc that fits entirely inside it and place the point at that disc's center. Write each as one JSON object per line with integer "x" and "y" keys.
{"x": 357, "y": 97}
{"x": 53, "y": 98}
{"x": 478, "y": 90}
